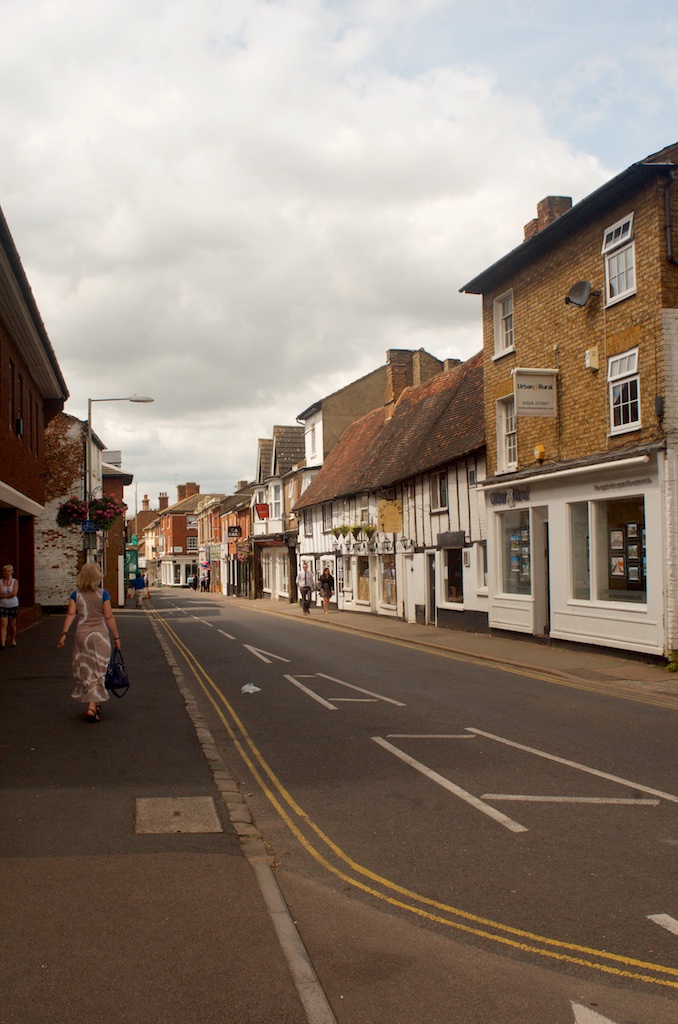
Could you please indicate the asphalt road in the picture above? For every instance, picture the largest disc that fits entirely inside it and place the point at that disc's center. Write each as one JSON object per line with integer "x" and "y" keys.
{"x": 483, "y": 845}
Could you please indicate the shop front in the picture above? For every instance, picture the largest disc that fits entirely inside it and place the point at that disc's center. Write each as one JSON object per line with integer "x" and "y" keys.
{"x": 578, "y": 555}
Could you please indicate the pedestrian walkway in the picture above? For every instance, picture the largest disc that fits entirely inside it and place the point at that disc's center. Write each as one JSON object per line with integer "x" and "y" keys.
{"x": 109, "y": 912}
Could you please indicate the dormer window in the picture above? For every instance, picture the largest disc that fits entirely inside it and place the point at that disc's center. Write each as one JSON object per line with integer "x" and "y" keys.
{"x": 620, "y": 260}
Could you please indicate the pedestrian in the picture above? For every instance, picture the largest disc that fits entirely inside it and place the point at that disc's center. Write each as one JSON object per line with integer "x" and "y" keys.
{"x": 9, "y": 606}
{"x": 92, "y": 645}
{"x": 305, "y": 584}
{"x": 194, "y": 582}
{"x": 138, "y": 586}
{"x": 326, "y": 586}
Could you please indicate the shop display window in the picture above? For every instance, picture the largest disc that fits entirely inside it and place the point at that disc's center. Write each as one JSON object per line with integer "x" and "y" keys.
{"x": 388, "y": 579}
{"x": 454, "y": 575}
{"x": 581, "y": 551}
{"x": 621, "y": 559}
{"x": 515, "y": 548}
{"x": 363, "y": 565}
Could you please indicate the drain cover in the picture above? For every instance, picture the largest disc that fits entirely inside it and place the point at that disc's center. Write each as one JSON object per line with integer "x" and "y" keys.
{"x": 159, "y": 815}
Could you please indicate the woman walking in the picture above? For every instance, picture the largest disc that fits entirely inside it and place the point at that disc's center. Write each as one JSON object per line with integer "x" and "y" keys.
{"x": 326, "y": 585}
{"x": 9, "y": 606}
{"x": 92, "y": 646}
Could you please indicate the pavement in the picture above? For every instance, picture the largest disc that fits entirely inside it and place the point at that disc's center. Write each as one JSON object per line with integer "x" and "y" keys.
{"x": 133, "y": 883}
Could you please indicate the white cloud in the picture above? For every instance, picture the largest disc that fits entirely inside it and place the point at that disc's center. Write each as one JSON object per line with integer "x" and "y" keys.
{"x": 237, "y": 207}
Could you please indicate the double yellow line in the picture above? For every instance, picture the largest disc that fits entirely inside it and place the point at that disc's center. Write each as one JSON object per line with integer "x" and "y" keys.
{"x": 299, "y": 823}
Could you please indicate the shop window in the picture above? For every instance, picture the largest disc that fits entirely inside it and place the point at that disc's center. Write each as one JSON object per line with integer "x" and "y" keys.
{"x": 481, "y": 548}
{"x": 363, "y": 568}
{"x": 439, "y": 491}
{"x": 515, "y": 551}
{"x": 620, "y": 542}
{"x": 503, "y": 324}
{"x": 581, "y": 551}
{"x": 266, "y": 571}
{"x": 388, "y": 580}
{"x": 624, "y": 382}
{"x": 454, "y": 575}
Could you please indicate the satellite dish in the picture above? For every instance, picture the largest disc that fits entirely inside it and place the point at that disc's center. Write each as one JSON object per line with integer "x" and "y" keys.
{"x": 579, "y": 294}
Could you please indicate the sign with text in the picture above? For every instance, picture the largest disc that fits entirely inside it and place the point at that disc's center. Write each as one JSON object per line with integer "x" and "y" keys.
{"x": 535, "y": 392}
{"x": 390, "y": 516}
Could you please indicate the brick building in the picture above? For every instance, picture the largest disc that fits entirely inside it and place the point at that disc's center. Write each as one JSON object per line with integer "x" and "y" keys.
{"x": 580, "y": 331}
{"x": 32, "y": 392}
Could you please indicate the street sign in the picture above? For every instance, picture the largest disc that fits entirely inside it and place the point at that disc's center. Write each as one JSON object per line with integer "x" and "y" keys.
{"x": 89, "y": 526}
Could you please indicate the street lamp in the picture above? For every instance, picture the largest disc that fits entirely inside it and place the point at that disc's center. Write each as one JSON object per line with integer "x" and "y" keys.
{"x": 88, "y": 452}
{"x": 88, "y": 449}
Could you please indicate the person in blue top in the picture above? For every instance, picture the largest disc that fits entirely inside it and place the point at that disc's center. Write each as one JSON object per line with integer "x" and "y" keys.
{"x": 92, "y": 646}
{"x": 138, "y": 585}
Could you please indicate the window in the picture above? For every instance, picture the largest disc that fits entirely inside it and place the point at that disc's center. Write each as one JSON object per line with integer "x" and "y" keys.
{"x": 327, "y": 518}
{"x": 191, "y": 543}
{"x": 608, "y": 555}
{"x": 388, "y": 580}
{"x": 363, "y": 570}
{"x": 515, "y": 552}
{"x": 624, "y": 381}
{"x": 503, "y": 324}
{"x": 276, "y": 503}
{"x": 454, "y": 575}
{"x": 507, "y": 437}
{"x": 620, "y": 260}
{"x": 482, "y": 563}
{"x": 439, "y": 490}
{"x": 581, "y": 551}
{"x": 308, "y": 522}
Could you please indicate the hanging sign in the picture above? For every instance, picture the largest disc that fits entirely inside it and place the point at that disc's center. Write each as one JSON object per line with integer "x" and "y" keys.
{"x": 535, "y": 392}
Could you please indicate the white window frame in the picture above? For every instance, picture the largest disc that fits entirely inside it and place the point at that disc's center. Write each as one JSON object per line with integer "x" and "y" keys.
{"x": 191, "y": 544}
{"x": 620, "y": 260}
{"x": 623, "y": 378}
{"x": 438, "y": 484}
{"x": 504, "y": 338}
{"x": 507, "y": 435}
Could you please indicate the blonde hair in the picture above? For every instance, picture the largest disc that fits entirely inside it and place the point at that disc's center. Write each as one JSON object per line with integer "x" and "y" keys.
{"x": 10, "y": 567}
{"x": 89, "y": 577}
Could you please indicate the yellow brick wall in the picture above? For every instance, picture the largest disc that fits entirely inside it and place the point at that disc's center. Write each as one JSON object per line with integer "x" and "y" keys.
{"x": 548, "y": 333}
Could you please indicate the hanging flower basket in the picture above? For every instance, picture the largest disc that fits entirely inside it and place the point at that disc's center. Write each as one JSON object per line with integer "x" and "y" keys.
{"x": 103, "y": 512}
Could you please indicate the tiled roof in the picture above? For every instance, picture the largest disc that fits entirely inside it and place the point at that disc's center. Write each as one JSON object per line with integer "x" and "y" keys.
{"x": 265, "y": 450}
{"x": 288, "y": 448}
{"x": 432, "y": 425}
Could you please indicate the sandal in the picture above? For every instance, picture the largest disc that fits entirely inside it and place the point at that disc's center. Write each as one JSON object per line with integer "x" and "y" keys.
{"x": 92, "y": 716}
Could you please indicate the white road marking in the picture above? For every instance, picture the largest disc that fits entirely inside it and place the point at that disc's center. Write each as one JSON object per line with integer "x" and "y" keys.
{"x": 428, "y": 736}
{"x": 582, "y": 1015}
{"x": 310, "y": 693}
{"x": 573, "y": 799}
{"x": 580, "y": 767}
{"x": 264, "y": 655}
{"x": 491, "y": 812}
{"x": 664, "y": 921}
{"x": 355, "y": 700}
{"x": 205, "y": 623}
{"x": 370, "y": 693}
{"x": 227, "y": 635}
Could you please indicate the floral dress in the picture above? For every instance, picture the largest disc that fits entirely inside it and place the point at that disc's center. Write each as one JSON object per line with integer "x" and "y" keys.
{"x": 92, "y": 646}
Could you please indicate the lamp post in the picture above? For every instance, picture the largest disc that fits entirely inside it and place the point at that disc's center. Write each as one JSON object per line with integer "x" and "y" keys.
{"x": 88, "y": 449}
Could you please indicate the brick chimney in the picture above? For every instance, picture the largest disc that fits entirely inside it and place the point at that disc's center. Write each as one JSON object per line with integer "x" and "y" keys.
{"x": 145, "y": 504}
{"x": 191, "y": 489}
{"x": 548, "y": 210}
{"x": 181, "y": 492}
{"x": 163, "y": 501}
{"x": 398, "y": 375}
{"x": 424, "y": 366}
{"x": 241, "y": 485}
{"x": 449, "y": 364}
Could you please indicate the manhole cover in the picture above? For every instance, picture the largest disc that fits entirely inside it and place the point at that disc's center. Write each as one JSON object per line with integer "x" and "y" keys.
{"x": 158, "y": 815}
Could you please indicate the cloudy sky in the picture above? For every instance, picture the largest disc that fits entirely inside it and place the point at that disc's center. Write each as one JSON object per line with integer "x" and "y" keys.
{"x": 237, "y": 206}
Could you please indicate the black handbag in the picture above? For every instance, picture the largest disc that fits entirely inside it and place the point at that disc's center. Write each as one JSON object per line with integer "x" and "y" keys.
{"x": 117, "y": 680}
